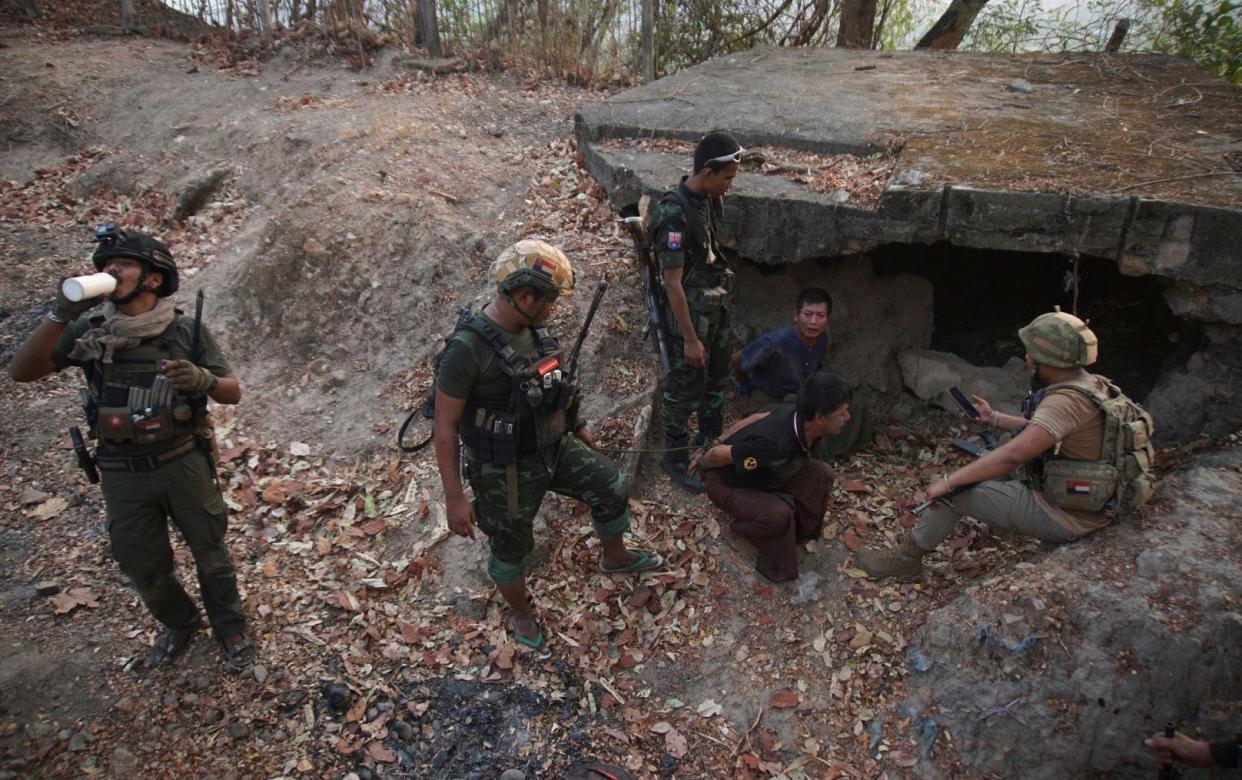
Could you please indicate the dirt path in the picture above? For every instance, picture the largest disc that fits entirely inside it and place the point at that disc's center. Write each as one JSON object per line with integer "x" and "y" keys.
{"x": 358, "y": 213}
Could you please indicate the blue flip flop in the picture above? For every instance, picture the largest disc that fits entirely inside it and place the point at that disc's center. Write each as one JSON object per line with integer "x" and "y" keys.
{"x": 646, "y": 561}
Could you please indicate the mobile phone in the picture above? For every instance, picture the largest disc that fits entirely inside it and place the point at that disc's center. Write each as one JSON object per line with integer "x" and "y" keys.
{"x": 962, "y": 401}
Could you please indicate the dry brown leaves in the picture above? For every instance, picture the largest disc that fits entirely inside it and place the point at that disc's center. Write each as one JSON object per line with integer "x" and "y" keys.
{"x": 862, "y": 179}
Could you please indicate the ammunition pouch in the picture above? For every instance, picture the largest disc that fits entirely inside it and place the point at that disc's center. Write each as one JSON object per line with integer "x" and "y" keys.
{"x": 1079, "y": 485}
{"x": 503, "y": 437}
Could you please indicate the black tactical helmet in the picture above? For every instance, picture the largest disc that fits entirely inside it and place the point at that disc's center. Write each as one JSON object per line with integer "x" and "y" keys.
{"x": 114, "y": 242}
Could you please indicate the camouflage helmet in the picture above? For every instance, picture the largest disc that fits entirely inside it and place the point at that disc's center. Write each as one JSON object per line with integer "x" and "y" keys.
{"x": 1060, "y": 340}
{"x": 534, "y": 263}
{"x": 154, "y": 254}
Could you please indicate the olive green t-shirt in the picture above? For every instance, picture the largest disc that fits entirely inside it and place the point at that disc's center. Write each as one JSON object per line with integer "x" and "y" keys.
{"x": 470, "y": 370}
{"x": 181, "y": 347}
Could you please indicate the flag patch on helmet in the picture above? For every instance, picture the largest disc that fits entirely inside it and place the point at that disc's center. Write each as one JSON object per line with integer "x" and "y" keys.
{"x": 674, "y": 239}
{"x": 543, "y": 268}
{"x": 1078, "y": 488}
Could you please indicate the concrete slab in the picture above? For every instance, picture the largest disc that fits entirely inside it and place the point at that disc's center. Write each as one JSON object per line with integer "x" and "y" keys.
{"x": 1129, "y": 158}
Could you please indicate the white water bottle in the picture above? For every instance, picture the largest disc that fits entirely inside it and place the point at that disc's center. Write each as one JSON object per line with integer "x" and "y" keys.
{"x": 79, "y": 288}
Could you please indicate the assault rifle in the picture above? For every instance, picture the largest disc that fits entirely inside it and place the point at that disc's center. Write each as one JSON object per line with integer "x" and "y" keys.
{"x": 653, "y": 293}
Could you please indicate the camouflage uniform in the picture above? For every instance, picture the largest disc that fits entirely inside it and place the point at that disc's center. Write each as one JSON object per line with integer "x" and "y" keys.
{"x": 685, "y": 241}
{"x": 183, "y": 488}
{"x": 507, "y": 497}
{"x": 569, "y": 468}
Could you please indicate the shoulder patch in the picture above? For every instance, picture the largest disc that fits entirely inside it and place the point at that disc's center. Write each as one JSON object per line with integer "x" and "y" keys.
{"x": 750, "y": 464}
{"x": 674, "y": 239}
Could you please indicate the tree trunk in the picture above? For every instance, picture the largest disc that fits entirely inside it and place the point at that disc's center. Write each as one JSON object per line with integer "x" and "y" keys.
{"x": 857, "y": 24}
{"x": 127, "y": 15}
{"x": 265, "y": 17}
{"x": 646, "y": 46}
{"x": 948, "y": 31}
{"x": 428, "y": 27}
{"x": 1119, "y": 35}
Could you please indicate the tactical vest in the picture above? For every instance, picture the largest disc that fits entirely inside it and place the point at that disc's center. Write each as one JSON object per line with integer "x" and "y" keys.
{"x": 1122, "y": 478}
{"x": 130, "y": 405}
{"x": 542, "y": 406}
{"x": 707, "y": 288}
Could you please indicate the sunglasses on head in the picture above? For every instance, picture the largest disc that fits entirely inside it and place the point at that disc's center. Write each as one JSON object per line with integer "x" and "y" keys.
{"x": 730, "y": 157}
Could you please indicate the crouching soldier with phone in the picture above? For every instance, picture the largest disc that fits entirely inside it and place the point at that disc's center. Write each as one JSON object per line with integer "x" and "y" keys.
{"x": 1083, "y": 447}
{"x": 149, "y": 372}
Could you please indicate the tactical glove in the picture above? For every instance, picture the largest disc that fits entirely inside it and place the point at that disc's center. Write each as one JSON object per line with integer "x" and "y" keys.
{"x": 66, "y": 310}
{"x": 187, "y": 377}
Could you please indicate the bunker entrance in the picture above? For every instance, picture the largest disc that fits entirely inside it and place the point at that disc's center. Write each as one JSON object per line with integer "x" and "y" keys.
{"x": 982, "y": 297}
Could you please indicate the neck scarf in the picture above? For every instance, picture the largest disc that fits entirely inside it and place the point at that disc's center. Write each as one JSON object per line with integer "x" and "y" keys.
{"x": 122, "y": 331}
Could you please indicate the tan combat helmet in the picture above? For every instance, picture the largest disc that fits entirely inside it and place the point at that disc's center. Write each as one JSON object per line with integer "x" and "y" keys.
{"x": 1060, "y": 340}
{"x": 534, "y": 263}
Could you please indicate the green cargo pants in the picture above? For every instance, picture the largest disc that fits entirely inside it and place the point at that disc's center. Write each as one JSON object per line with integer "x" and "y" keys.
{"x": 138, "y": 508}
{"x": 1006, "y": 506}
{"x": 689, "y": 390}
{"x": 505, "y": 504}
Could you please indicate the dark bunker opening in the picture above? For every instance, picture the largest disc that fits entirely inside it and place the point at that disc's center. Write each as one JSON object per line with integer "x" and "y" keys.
{"x": 982, "y": 297}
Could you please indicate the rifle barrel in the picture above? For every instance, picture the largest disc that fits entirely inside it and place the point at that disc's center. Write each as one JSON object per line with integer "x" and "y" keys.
{"x": 600, "y": 289}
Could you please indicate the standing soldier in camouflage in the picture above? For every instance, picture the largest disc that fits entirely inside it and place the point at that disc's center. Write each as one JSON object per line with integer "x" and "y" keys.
{"x": 147, "y": 401}
{"x": 697, "y": 283}
{"x": 502, "y": 390}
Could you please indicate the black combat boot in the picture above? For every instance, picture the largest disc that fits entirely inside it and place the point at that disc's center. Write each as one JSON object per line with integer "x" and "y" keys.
{"x": 676, "y": 461}
{"x": 709, "y": 430}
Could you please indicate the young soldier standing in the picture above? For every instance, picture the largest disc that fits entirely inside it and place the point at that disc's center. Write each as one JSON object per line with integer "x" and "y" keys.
{"x": 697, "y": 283}
{"x": 154, "y": 465}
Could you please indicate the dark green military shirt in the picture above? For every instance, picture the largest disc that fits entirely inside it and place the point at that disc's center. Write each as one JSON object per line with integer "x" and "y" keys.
{"x": 681, "y": 240}
{"x": 470, "y": 370}
{"x": 180, "y": 348}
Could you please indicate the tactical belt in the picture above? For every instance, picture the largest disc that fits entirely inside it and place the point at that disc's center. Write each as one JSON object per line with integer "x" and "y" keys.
{"x": 150, "y": 461}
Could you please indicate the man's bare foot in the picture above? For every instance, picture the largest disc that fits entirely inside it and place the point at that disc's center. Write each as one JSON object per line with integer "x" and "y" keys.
{"x": 525, "y": 627}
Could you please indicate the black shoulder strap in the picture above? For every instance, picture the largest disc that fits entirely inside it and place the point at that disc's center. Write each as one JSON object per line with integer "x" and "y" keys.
{"x": 484, "y": 329}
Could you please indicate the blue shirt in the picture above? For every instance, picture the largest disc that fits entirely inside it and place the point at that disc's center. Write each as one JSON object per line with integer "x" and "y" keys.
{"x": 777, "y": 363}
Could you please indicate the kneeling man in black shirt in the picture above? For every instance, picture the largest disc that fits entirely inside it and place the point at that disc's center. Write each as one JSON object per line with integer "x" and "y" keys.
{"x": 761, "y": 476}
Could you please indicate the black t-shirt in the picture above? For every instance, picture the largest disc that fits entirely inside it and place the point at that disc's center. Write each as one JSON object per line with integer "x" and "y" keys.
{"x": 769, "y": 452}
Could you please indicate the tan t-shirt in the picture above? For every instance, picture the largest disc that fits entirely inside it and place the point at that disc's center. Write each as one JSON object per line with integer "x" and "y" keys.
{"x": 1078, "y": 426}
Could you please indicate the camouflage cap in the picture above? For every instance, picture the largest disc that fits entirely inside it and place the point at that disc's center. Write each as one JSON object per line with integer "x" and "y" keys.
{"x": 1060, "y": 340}
{"x": 534, "y": 263}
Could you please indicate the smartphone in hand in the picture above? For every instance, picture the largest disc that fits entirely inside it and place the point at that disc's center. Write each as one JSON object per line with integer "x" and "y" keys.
{"x": 964, "y": 403}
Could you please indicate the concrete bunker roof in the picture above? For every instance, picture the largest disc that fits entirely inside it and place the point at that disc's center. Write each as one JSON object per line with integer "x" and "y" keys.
{"x": 1134, "y": 158}
{"x": 1090, "y": 124}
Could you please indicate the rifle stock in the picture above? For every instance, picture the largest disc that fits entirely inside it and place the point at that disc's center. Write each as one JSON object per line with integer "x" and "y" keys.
{"x": 656, "y": 325}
